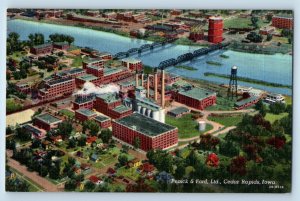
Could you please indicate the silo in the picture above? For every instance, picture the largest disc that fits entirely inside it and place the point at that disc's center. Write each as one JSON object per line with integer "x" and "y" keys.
{"x": 202, "y": 125}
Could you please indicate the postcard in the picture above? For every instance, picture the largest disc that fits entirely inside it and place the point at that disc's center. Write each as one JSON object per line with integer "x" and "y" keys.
{"x": 192, "y": 101}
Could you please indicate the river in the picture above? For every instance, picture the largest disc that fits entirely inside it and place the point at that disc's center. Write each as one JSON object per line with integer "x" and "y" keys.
{"x": 272, "y": 68}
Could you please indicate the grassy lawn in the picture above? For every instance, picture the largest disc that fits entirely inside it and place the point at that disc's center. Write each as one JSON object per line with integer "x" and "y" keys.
{"x": 187, "y": 126}
{"x": 227, "y": 121}
{"x": 242, "y": 23}
{"x": 77, "y": 61}
{"x": 223, "y": 104}
{"x": 273, "y": 117}
{"x": 67, "y": 113}
{"x": 17, "y": 55}
{"x": 12, "y": 106}
{"x": 128, "y": 172}
{"x": 288, "y": 100}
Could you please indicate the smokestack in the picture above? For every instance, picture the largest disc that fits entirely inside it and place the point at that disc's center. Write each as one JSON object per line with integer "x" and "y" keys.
{"x": 155, "y": 84}
{"x": 148, "y": 85}
{"x": 142, "y": 73}
{"x": 162, "y": 88}
{"x": 136, "y": 78}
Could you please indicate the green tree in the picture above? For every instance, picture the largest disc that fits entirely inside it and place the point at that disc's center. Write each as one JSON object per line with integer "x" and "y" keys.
{"x": 269, "y": 37}
{"x": 277, "y": 108}
{"x": 70, "y": 185}
{"x": 254, "y": 21}
{"x": 92, "y": 126}
{"x": 65, "y": 128}
{"x": 123, "y": 159}
{"x": 89, "y": 186}
{"x": 54, "y": 172}
{"x": 43, "y": 171}
{"x": 136, "y": 142}
{"x": 106, "y": 135}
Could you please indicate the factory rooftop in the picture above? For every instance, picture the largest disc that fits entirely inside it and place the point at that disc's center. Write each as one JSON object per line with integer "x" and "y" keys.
{"x": 197, "y": 93}
{"x": 179, "y": 111}
{"x": 70, "y": 72}
{"x": 48, "y": 118}
{"x": 87, "y": 77}
{"x": 101, "y": 118}
{"x": 84, "y": 99}
{"x": 109, "y": 97}
{"x": 121, "y": 109}
{"x": 131, "y": 60}
{"x": 91, "y": 60}
{"x": 43, "y": 45}
{"x": 58, "y": 81}
{"x": 109, "y": 71}
{"x": 145, "y": 125}
{"x": 245, "y": 101}
{"x": 86, "y": 112}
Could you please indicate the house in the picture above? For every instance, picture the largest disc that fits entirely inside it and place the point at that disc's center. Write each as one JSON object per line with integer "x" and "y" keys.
{"x": 111, "y": 172}
{"x": 147, "y": 168}
{"x": 94, "y": 158}
{"x": 90, "y": 140}
{"x": 95, "y": 180}
{"x": 56, "y": 139}
{"x": 164, "y": 177}
{"x": 77, "y": 170}
{"x": 85, "y": 167}
{"x": 134, "y": 163}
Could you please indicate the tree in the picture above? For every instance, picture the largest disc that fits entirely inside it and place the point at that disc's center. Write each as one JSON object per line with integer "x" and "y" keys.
{"x": 208, "y": 142}
{"x": 136, "y": 142}
{"x": 261, "y": 108}
{"x": 89, "y": 186}
{"x": 180, "y": 169}
{"x": 254, "y": 21}
{"x": 277, "y": 108}
{"x": 70, "y": 185}
{"x": 92, "y": 126}
{"x": 10, "y": 144}
{"x": 228, "y": 148}
{"x": 43, "y": 171}
{"x": 254, "y": 37}
{"x": 65, "y": 128}
{"x": 106, "y": 135}
{"x": 54, "y": 172}
{"x": 238, "y": 166}
{"x": 36, "y": 143}
{"x": 123, "y": 159}
{"x": 22, "y": 134}
{"x": 269, "y": 37}
{"x": 269, "y": 18}
{"x": 72, "y": 143}
{"x": 69, "y": 39}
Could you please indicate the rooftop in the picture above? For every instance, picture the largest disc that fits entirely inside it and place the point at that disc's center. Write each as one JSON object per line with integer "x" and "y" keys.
{"x": 86, "y": 112}
{"x": 48, "y": 118}
{"x": 101, "y": 118}
{"x": 131, "y": 60}
{"x": 42, "y": 45}
{"x": 91, "y": 60}
{"x": 179, "y": 110}
{"x": 109, "y": 97}
{"x": 145, "y": 125}
{"x": 70, "y": 72}
{"x": 109, "y": 71}
{"x": 87, "y": 77}
{"x": 197, "y": 93}
{"x": 121, "y": 109}
{"x": 83, "y": 99}
{"x": 58, "y": 81}
{"x": 243, "y": 102}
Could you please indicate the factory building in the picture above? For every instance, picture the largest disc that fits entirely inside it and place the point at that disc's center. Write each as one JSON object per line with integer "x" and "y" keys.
{"x": 92, "y": 62}
{"x": 274, "y": 98}
{"x": 283, "y": 22}
{"x": 103, "y": 121}
{"x": 132, "y": 64}
{"x": 83, "y": 101}
{"x": 46, "y": 121}
{"x": 73, "y": 73}
{"x": 215, "y": 30}
{"x": 84, "y": 114}
{"x": 111, "y": 105}
{"x": 57, "y": 87}
{"x": 195, "y": 97}
{"x": 42, "y": 49}
{"x": 246, "y": 102}
{"x": 151, "y": 133}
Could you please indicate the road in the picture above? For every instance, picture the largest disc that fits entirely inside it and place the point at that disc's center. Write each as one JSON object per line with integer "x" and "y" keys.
{"x": 44, "y": 183}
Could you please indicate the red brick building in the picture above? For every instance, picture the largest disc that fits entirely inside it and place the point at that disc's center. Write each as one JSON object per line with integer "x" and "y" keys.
{"x": 83, "y": 101}
{"x": 196, "y": 97}
{"x": 93, "y": 62}
{"x": 46, "y": 121}
{"x": 215, "y": 30}
{"x": 103, "y": 121}
{"x": 42, "y": 49}
{"x": 151, "y": 133}
{"x": 282, "y": 22}
{"x": 132, "y": 64}
{"x": 61, "y": 45}
{"x": 84, "y": 114}
{"x": 111, "y": 105}
{"x": 24, "y": 88}
{"x": 56, "y": 88}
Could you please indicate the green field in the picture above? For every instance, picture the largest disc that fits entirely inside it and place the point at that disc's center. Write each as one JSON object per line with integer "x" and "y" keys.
{"x": 227, "y": 121}
{"x": 273, "y": 117}
{"x": 77, "y": 61}
{"x": 67, "y": 113}
{"x": 131, "y": 173}
{"x": 240, "y": 23}
{"x": 187, "y": 126}
{"x": 223, "y": 104}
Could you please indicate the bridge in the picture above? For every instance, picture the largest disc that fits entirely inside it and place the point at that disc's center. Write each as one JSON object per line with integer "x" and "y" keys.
{"x": 143, "y": 48}
{"x": 190, "y": 56}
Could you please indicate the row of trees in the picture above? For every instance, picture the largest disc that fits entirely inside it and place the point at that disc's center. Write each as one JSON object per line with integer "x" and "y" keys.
{"x": 61, "y": 38}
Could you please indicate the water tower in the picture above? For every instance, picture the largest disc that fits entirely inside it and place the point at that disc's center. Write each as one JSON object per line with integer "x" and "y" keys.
{"x": 232, "y": 90}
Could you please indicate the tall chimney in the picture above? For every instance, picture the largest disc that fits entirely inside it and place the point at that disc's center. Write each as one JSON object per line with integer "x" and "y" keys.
{"x": 148, "y": 85}
{"x": 142, "y": 74}
{"x": 162, "y": 88}
{"x": 136, "y": 78}
{"x": 155, "y": 84}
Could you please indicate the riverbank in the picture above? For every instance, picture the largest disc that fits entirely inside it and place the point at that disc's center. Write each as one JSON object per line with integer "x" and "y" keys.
{"x": 249, "y": 80}
{"x": 238, "y": 47}
{"x": 186, "y": 68}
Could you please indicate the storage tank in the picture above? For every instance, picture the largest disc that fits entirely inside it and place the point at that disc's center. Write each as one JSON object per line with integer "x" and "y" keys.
{"x": 202, "y": 125}
{"x": 156, "y": 115}
{"x": 162, "y": 115}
